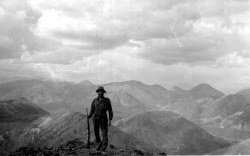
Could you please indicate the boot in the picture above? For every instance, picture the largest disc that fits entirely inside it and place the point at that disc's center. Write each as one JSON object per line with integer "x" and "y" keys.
{"x": 103, "y": 148}
{"x": 99, "y": 146}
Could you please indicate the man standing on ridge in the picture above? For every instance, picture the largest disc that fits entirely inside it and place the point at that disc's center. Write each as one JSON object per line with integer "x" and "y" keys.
{"x": 99, "y": 108}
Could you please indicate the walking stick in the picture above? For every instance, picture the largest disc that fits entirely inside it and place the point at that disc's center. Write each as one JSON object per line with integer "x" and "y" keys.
{"x": 88, "y": 143}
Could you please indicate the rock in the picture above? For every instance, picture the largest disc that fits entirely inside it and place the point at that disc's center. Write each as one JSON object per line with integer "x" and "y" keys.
{"x": 24, "y": 151}
{"x": 138, "y": 152}
{"x": 111, "y": 146}
{"x": 95, "y": 153}
{"x": 75, "y": 147}
{"x": 1, "y": 138}
{"x": 162, "y": 153}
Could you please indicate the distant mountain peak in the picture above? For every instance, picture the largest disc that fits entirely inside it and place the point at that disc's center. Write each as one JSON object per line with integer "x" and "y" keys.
{"x": 205, "y": 90}
{"x": 177, "y": 88}
{"x": 159, "y": 86}
{"x": 128, "y": 82}
{"x": 86, "y": 83}
{"x": 133, "y": 82}
{"x": 244, "y": 91}
{"x": 203, "y": 85}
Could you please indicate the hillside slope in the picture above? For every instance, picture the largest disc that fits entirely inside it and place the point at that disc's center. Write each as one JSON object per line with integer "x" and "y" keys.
{"x": 58, "y": 129}
{"x": 19, "y": 109}
{"x": 18, "y": 113}
{"x": 171, "y": 132}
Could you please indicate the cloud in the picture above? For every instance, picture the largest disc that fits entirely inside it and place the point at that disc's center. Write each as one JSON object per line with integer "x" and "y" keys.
{"x": 62, "y": 55}
{"x": 11, "y": 69}
{"x": 168, "y": 31}
{"x": 223, "y": 8}
{"x": 17, "y": 19}
{"x": 212, "y": 34}
{"x": 109, "y": 24}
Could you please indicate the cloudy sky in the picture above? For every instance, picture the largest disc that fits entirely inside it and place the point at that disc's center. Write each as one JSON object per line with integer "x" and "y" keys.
{"x": 169, "y": 42}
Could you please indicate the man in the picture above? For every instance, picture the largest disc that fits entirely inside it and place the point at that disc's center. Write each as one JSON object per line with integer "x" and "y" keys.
{"x": 99, "y": 108}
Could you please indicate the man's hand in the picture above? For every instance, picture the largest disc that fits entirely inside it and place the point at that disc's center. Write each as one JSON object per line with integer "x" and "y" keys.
{"x": 109, "y": 124}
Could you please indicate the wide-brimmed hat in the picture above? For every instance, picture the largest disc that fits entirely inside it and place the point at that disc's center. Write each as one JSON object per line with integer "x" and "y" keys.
{"x": 100, "y": 88}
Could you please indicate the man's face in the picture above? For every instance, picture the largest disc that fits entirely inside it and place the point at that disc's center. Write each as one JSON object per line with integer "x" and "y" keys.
{"x": 100, "y": 94}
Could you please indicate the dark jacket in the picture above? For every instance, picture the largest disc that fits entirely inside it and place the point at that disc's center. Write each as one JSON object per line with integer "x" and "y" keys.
{"x": 100, "y": 108}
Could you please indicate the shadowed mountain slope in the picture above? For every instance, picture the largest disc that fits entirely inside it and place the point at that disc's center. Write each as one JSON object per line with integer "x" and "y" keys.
{"x": 18, "y": 113}
{"x": 171, "y": 132}
{"x": 226, "y": 106}
{"x": 19, "y": 109}
{"x": 241, "y": 148}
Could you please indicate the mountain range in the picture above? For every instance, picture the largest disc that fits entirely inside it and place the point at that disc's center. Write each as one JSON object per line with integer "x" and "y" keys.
{"x": 200, "y": 104}
{"x": 128, "y": 97}
{"x": 41, "y": 112}
{"x": 52, "y": 96}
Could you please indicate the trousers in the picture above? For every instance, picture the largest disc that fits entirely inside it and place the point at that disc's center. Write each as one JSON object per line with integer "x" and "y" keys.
{"x": 101, "y": 122}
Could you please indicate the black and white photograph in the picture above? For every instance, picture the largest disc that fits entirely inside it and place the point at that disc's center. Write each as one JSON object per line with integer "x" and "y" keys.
{"x": 124, "y": 77}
